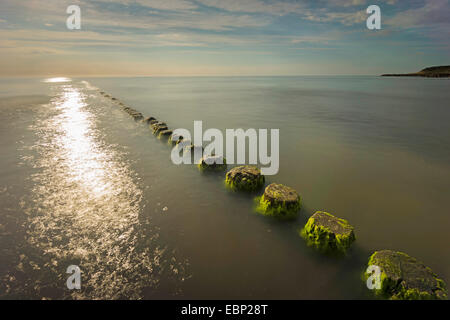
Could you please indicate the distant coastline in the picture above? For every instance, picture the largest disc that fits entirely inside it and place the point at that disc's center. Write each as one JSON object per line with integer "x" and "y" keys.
{"x": 431, "y": 72}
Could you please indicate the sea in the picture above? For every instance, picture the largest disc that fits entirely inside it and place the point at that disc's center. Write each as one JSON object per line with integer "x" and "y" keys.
{"x": 84, "y": 184}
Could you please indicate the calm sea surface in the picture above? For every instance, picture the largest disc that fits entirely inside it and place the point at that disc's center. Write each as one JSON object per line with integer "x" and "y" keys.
{"x": 82, "y": 183}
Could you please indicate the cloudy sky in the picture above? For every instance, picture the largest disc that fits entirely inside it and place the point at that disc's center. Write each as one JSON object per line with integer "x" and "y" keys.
{"x": 221, "y": 37}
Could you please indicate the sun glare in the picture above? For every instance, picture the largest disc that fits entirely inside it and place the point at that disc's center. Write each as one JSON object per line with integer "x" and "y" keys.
{"x": 58, "y": 79}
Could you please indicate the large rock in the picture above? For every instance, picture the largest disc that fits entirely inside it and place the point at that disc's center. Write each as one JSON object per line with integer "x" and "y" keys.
{"x": 157, "y": 127}
{"x": 328, "y": 233}
{"x": 148, "y": 119}
{"x": 157, "y": 124}
{"x": 164, "y": 134}
{"x": 279, "y": 201}
{"x": 212, "y": 163}
{"x": 245, "y": 178}
{"x": 405, "y": 278}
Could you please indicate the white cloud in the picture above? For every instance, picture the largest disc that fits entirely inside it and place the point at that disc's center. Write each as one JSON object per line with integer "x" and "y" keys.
{"x": 255, "y": 6}
{"x": 433, "y": 12}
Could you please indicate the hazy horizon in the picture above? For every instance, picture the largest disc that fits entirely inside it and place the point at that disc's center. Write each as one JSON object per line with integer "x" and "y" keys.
{"x": 221, "y": 38}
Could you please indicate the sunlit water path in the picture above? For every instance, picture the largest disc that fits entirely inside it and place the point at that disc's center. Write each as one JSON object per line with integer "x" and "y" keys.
{"x": 84, "y": 206}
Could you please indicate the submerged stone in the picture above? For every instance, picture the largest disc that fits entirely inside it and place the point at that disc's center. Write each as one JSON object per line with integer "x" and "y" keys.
{"x": 405, "y": 278}
{"x": 164, "y": 134}
{"x": 157, "y": 124}
{"x": 137, "y": 115}
{"x": 148, "y": 119}
{"x": 328, "y": 233}
{"x": 279, "y": 201}
{"x": 158, "y": 128}
{"x": 245, "y": 178}
{"x": 212, "y": 163}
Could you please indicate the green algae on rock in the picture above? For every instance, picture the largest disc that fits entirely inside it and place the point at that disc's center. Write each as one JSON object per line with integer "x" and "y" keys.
{"x": 405, "y": 278}
{"x": 157, "y": 127}
{"x": 279, "y": 201}
{"x": 164, "y": 134}
{"x": 212, "y": 163}
{"x": 155, "y": 124}
{"x": 245, "y": 178}
{"x": 328, "y": 233}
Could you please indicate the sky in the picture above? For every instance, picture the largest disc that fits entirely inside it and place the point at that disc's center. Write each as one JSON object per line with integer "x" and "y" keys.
{"x": 221, "y": 37}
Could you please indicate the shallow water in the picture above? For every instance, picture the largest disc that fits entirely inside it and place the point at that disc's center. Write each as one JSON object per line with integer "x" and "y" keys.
{"x": 82, "y": 183}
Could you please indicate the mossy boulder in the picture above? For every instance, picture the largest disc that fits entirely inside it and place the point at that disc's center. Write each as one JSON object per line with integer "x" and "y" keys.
{"x": 164, "y": 134}
{"x": 157, "y": 127}
{"x": 212, "y": 163}
{"x": 245, "y": 178}
{"x": 148, "y": 119}
{"x": 405, "y": 278}
{"x": 157, "y": 124}
{"x": 328, "y": 233}
{"x": 279, "y": 201}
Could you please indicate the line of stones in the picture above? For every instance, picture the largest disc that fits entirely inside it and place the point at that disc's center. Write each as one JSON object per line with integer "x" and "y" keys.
{"x": 400, "y": 275}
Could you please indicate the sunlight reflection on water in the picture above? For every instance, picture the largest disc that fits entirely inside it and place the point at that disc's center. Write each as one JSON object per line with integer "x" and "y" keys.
{"x": 85, "y": 206}
{"x": 57, "y": 80}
